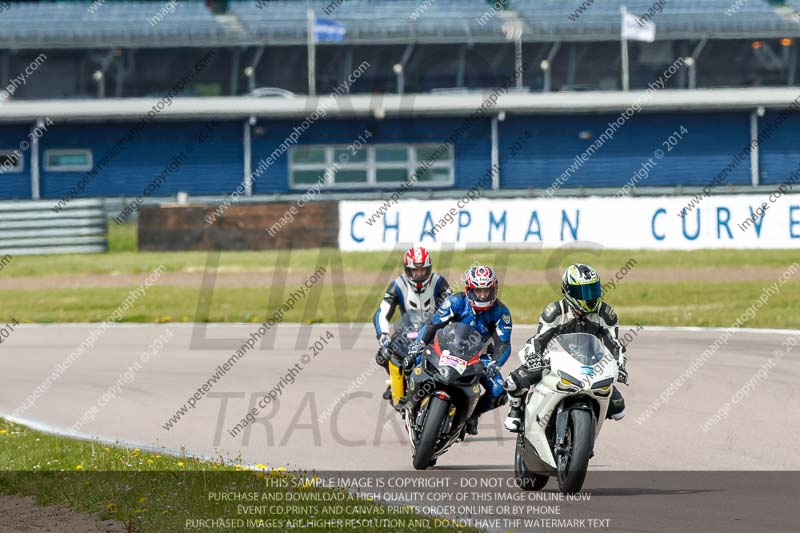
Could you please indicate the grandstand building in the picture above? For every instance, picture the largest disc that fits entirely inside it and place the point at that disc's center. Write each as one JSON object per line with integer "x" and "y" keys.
{"x": 102, "y": 95}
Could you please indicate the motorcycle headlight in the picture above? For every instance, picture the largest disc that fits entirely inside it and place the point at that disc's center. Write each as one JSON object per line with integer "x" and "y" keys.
{"x": 602, "y": 391}
{"x": 445, "y": 375}
{"x": 429, "y": 367}
{"x": 469, "y": 380}
{"x": 566, "y": 379}
{"x": 603, "y": 387}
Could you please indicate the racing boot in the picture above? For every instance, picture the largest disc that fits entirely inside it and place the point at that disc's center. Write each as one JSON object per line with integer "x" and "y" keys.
{"x": 515, "y": 415}
{"x": 616, "y": 405}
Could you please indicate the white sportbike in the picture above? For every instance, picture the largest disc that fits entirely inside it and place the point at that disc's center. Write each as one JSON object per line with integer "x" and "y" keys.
{"x": 564, "y": 413}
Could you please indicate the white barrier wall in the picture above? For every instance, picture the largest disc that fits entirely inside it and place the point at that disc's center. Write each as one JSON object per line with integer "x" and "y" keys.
{"x": 624, "y": 223}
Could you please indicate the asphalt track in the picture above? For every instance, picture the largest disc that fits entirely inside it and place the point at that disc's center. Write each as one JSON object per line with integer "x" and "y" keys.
{"x": 329, "y": 419}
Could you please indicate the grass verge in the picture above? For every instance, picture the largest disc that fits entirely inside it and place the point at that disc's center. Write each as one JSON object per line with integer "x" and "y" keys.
{"x": 656, "y": 302}
{"x": 697, "y": 303}
{"x": 124, "y": 259}
{"x": 158, "y": 492}
{"x": 122, "y": 237}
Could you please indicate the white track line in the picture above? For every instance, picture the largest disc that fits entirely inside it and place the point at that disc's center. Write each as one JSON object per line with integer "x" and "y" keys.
{"x": 49, "y": 430}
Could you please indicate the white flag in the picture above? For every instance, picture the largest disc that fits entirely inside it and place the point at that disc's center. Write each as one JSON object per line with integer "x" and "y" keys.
{"x": 637, "y": 29}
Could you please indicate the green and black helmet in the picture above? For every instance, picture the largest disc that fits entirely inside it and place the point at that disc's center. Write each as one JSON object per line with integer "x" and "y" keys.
{"x": 581, "y": 287}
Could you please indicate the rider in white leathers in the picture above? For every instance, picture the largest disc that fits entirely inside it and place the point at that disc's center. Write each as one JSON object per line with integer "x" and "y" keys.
{"x": 580, "y": 311}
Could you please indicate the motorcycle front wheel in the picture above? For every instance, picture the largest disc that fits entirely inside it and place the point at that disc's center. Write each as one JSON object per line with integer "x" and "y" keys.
{"x": 426, "y": 446}
{"x": 574, "y": 460}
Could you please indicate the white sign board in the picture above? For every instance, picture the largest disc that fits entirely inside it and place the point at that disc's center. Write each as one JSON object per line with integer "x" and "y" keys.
{"x": 734, "y": 221}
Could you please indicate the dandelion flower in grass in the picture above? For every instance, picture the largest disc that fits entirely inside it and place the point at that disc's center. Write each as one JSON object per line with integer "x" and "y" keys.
{"x": 3, "y": 431}
{"x": 78, "y": 467}
{"x": 150, "y": 462}
{"x": 180, "y": 463}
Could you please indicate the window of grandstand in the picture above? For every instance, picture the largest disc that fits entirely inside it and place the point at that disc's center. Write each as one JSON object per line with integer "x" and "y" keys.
{"x": 67, "y": 160}
{"x": 10, "y": 161}
{"x": 371, "y": 166}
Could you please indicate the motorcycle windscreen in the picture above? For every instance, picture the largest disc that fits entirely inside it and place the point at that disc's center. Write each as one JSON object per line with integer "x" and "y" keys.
{"x": 406, "y": 332}
{"x": 584, "y": 347}
{"x": 407, "y": 324}
{"x": 460, "y": 340}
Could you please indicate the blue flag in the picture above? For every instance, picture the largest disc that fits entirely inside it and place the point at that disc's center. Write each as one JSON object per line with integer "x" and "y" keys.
{"x": 329, "y": 30}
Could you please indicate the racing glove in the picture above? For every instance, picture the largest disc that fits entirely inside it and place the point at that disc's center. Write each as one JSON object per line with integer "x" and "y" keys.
{"x": 384, "y": 340}
{"x": 622, "y": 376}
{"x": 533, "y": 360}
{"x": 410, "y": 360}
{"x": 492, "y": 369}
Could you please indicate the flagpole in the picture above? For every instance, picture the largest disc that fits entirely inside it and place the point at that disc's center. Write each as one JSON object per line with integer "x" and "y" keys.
{"x": 624, "y": 43}
{"x": 518, "y": 57}
{"x": 312, "y": 55}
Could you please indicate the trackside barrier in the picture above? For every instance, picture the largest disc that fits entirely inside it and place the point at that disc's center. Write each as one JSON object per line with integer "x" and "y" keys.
{"x": 33, "y": 228}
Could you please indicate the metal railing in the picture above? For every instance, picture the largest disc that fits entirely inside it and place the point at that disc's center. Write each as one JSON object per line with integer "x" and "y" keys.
{"x": 33, "y": 228}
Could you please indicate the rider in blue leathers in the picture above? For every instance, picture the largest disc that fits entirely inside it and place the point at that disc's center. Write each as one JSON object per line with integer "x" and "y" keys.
{"x": 478, "y": 307}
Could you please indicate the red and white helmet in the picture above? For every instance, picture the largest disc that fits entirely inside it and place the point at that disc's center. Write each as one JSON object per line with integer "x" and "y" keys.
{"x": 481, "y": 277}
{"x": 417, "y": 258}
